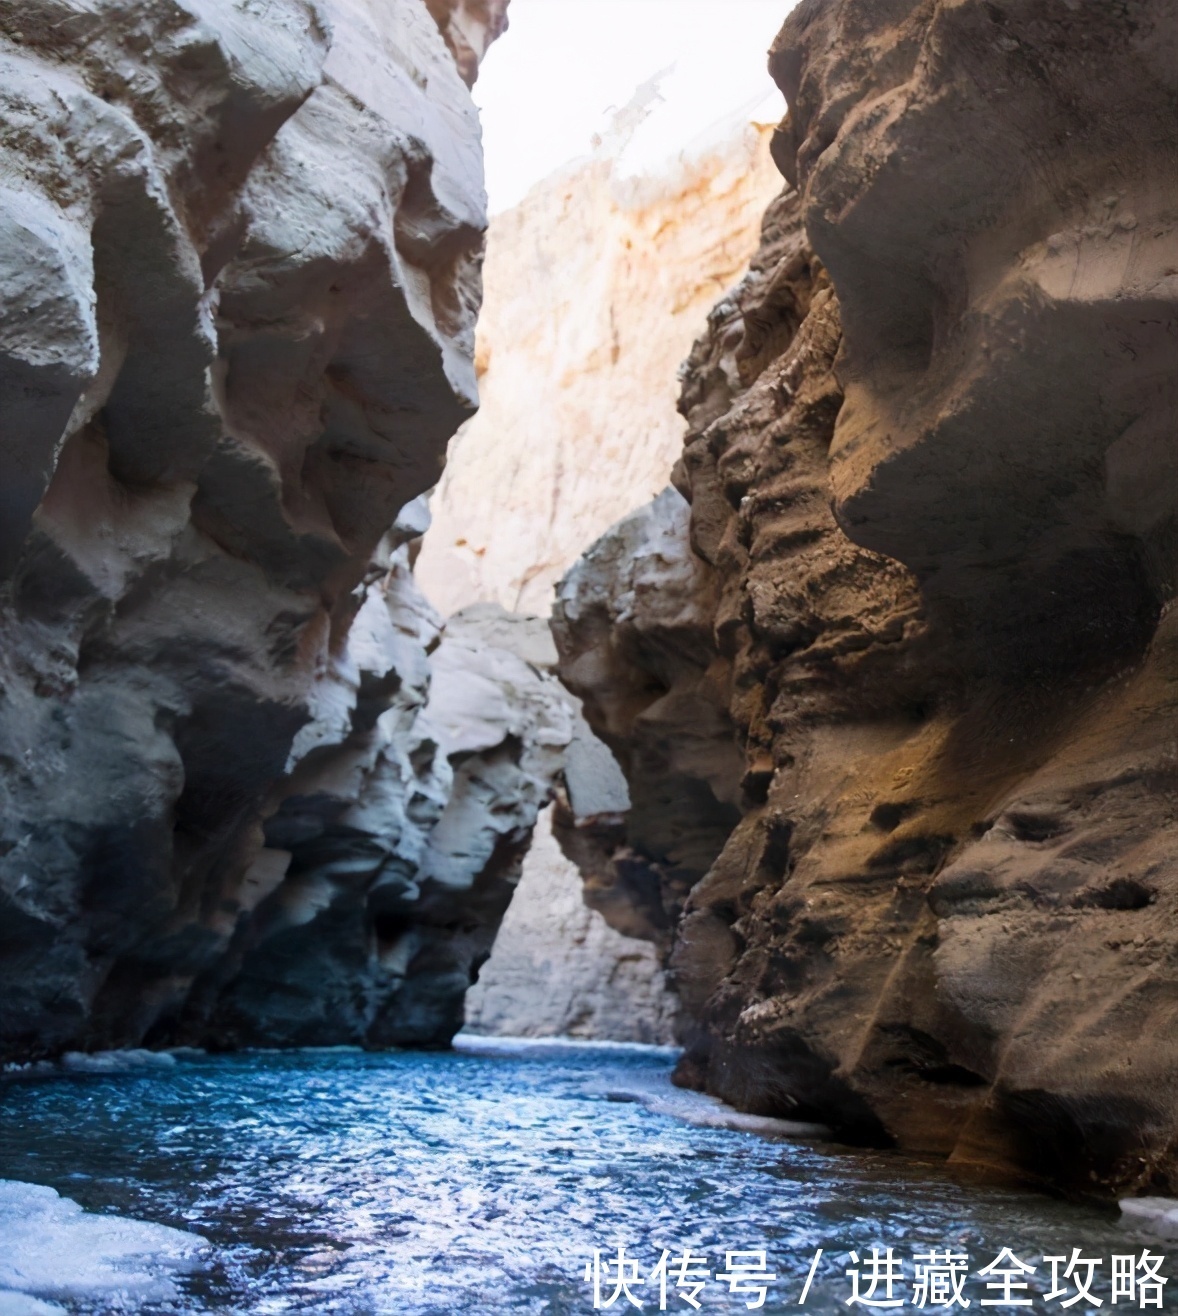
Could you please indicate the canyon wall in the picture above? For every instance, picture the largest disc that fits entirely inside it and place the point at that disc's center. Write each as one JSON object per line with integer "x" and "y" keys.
{"x": 240, "y": 258}
{"x": 469, "y": 27}
{"x": 559, "y": 970}
{"x": 923, "y": 578}
{"x": 395, "y": 845}
{"x": 594, "y": 286}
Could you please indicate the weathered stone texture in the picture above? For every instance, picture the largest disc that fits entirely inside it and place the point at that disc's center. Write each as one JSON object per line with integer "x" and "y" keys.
{"x": 469, "y": 27}
{"x": 239, "y": 257}
{"x": 934, "y": 513}
{"x": 633, "y": 626}
{"x": 557, "y": 968}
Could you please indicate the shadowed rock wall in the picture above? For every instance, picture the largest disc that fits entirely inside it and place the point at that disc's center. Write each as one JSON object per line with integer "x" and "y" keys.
{"x": 395, "y": 845}
{"x": 239, "y": 255}
{"x": 633, "y": 624}
{"x": 932, "y": 506}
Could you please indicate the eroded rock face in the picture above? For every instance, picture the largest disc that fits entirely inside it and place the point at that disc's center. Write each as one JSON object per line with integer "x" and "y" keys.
{"x": 1007, "y": 295}
{"x": 948, "y": 917}
{"x": 397, "y": 838}
{"x": 596, "y": 284}
{"x": 240, "y": 255}
{"x": 633, "y": 626}
{"x": 557, "y": 969}
{"x": 469, "y": 27}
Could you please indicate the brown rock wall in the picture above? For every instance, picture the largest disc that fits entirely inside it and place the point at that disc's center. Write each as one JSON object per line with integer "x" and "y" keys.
{"x": 469, "y": 27}
{"x": 933, "y": 517}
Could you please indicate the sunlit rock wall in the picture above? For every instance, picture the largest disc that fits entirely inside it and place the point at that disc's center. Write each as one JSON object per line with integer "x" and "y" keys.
{"x": 932, "y": 503}
{"x": 595, "y": 285}
{"x": 239, "y": 260}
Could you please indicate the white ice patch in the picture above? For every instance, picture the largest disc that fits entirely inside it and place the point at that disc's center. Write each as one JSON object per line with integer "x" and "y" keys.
{"x": 21, "y": 1304}
{"x": 1151, "y": 1215}
{"x": 28, "y": 1069}
{"x": 51, "y": 1248}
{"x": 477, "y": 1044}
{"x": 97, "y": 1062}
{"x": 115, "y": 1062}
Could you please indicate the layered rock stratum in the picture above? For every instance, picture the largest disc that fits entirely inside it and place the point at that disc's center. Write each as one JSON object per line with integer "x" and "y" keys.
{"x": 239, "y": 254}
{"x": 923, "y": 568}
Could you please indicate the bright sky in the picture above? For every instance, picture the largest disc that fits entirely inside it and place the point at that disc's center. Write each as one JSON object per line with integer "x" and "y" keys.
{"x": 551, "y": 82}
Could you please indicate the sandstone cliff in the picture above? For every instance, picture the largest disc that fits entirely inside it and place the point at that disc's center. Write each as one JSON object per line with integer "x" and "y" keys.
{"x": 559, "y": 970}
{"x": 239, "y": 254}
{"x": 932, "y": 507}
{"x": 595, "y": 285}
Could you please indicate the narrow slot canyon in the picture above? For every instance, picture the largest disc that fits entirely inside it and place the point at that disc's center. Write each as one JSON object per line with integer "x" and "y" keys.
{"x": 588, "y": 661}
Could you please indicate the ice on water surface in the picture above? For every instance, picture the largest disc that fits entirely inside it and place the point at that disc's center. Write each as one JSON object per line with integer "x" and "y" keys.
{"x": 24, "y": 1304}
{"x": 51, "y": 1248}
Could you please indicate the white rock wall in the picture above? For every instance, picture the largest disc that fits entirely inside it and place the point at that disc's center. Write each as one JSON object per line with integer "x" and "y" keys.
{"x": 595, "y": 287}
{"x": 559, "y": 970}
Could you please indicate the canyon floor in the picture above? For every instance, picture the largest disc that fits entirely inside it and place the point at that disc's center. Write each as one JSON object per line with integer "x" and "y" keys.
{"x": 647, "y": 719}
